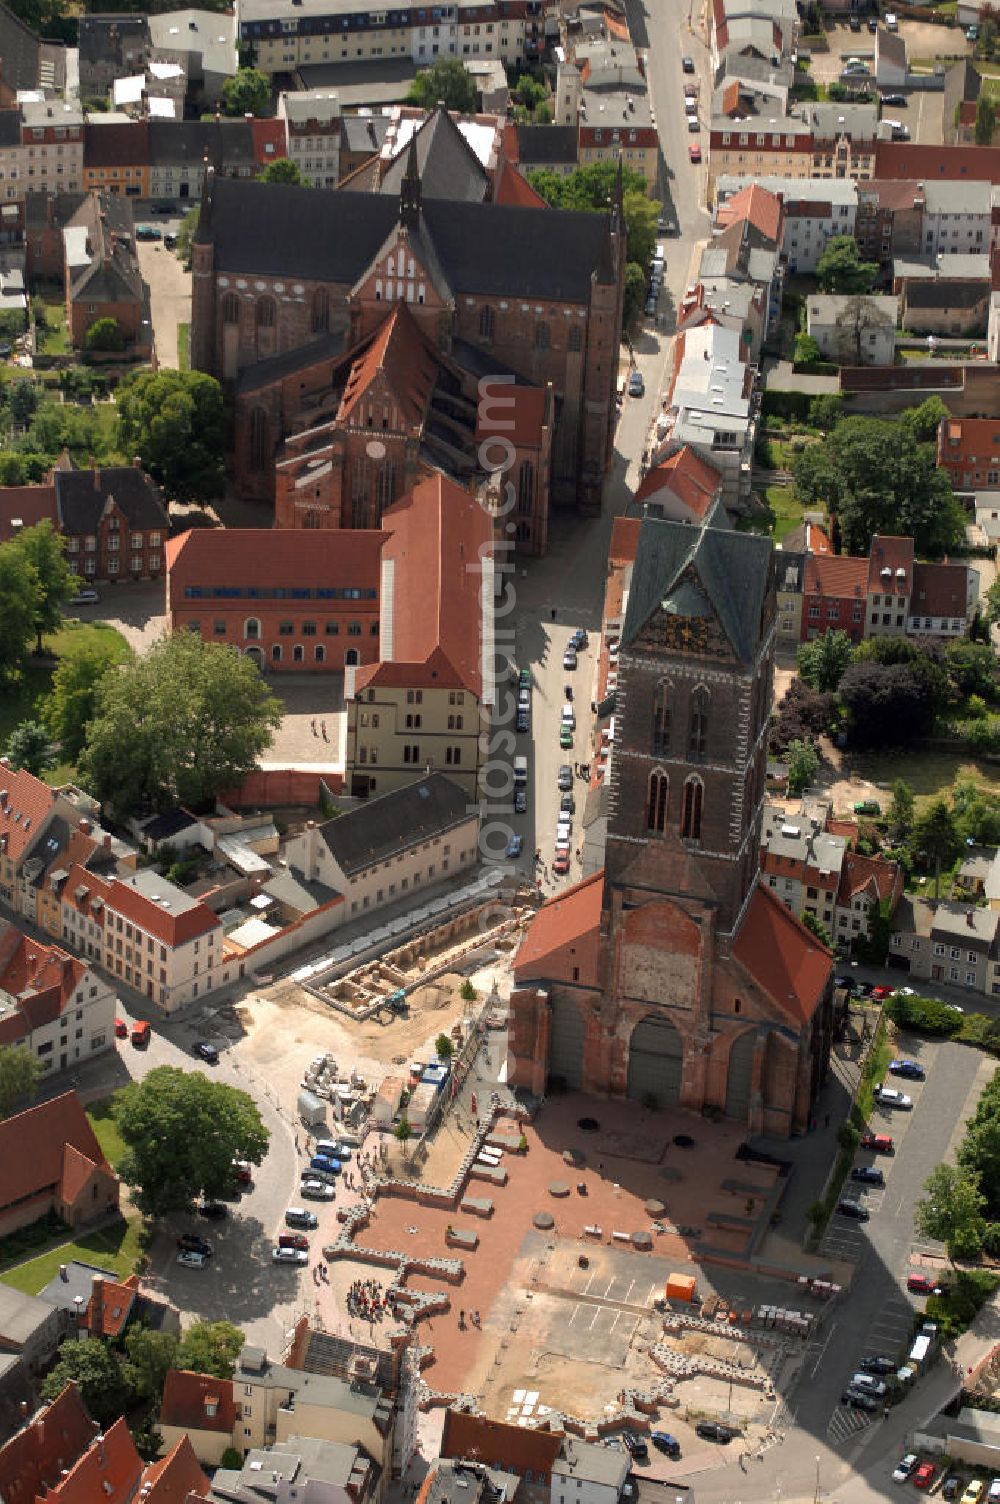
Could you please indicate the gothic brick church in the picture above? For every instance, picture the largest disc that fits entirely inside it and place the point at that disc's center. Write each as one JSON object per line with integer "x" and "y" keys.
{"x": 354, "y": 332}
{"x": 673, "y": 976}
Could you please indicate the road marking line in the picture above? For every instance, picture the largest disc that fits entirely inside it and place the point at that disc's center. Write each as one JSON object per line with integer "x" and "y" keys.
{"x": 826, "y": 1344}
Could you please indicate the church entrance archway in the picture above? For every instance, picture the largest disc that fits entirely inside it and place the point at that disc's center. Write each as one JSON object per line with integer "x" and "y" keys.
{"x": 655, "y": 1063}
{"x": 739, "y": 1079}
{"x": 566, "y": 1043}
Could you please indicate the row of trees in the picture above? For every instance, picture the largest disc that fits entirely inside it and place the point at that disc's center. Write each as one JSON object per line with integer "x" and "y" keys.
{"x": 961, "y": 1207}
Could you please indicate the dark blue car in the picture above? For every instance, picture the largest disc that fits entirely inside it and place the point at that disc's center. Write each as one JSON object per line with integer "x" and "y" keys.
{"x": 910, "y": 1069}
{"x": 321, "y": 1162}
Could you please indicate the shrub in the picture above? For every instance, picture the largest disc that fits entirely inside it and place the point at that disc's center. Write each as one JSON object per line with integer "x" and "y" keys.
{"x": 955, "y": 1309}
{"x": 924, "y": 1014}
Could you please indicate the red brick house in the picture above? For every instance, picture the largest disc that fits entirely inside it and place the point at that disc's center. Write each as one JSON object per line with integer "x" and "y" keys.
{"x": 834, "y": 596}
{"x": 969, "y": 449}
{"x": 888, "y": 594}
{"x": 114, "y": 520}
{"x": 103, "y": 281}
{"x": 53, "y": 1163}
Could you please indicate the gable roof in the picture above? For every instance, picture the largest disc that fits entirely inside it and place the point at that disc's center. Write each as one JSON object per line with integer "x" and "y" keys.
{"x": 34, "y": 1146}
{"x": 39, "y": 979}
{"x": 187, "y": 1397}
{"x": 402, "y": 354}
{"x": 733, "y": 571}
{"x": 211, "y": 558}
{"x": 688, "y": 477}
{"x": 25, "y": 803}
{"x": 512, "y": 188}
{"x": 20, "y": 51}
{"x": 448, "y": 167}
{"x": 492, "y": 249}
{"x": 33, "y": 1459}
{"x": 892, "y": 553}
{"x": 859, "y": 874}
{"x": 174, "y": 1478}
{"x": 784, "y": 958}
{"x": 566, "y": 926}
{"x": 82, "y": 495}
{"x": 940, "y": 590}
{"x": 757, "y": 205}
{"x": 117, "y": 1298}
{"x": 517, "y": 1449}
{"x": 545, "y": 145}
{"x": 835, "y": 575}
{"x": 110, "y": 1471}
{"x": 908, "y": 159}
{"x": 381, "y": 827}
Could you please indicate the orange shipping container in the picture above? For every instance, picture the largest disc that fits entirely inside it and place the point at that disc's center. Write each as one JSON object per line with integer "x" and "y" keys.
{"x": 680, "y": 1287}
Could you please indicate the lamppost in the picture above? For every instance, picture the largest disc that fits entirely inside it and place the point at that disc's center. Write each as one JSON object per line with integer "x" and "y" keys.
{"x": 816, "y": 1494}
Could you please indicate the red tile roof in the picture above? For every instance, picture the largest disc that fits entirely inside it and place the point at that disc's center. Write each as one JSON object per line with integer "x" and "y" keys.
{"x": 109, "y": 1471}
{"x": 257, "y": 557}
{"x": 907, "y": 159}
{"x": 35, "y": 1457}
{"x": 688, "y": 477}
{"x": 40, "y": 978}
{"x": 164, "y": 925}
{"x": 25, "y": 801}
{"x": 174, "y": 1478}
{"x": 34, "y": 1147}
{"x": 859, "y": 874}
{"x": 517, "y": 414}
{"x": 783, "y": 957}
{"x": 890, "y": 553}
{"x": 399, "y": 359}
{"x": 187, "y": 1396}
{"x": 512, "y": 188}
{"x": 268, "y": 140}
{"x": 565, "y": 936}
{"x": 893, "y": 193}
{"x": 516, "y": 1449}
{"x": 834, "y": 576}
{"x": 117, "y": 1299}
{"x": 624, "y": 540}
{"x": 437, "y": 533}
{"x": 758, "y": 205}
{"x": 26, "y": 505}
{"x": 940, "y": 590}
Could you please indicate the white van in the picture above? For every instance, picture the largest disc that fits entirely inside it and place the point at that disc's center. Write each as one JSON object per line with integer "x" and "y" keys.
{"x": 328, "y": 1147}
{"x": 520, "y": 772}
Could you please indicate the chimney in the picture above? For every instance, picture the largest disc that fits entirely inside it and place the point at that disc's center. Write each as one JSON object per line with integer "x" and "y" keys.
{"x": 84, "y": 826}
{"x": 97, "y": 1306}
{"x": 63, "y": 1273}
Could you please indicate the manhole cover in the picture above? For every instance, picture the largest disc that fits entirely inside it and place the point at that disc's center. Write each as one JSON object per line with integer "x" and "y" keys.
{"x": 591, "y": 1125}
{"x": 684, "y": 1141}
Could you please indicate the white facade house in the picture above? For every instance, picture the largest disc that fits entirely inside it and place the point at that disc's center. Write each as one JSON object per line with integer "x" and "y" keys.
{"x": 854, "y": 331}
{"x": 816, "y": 209}
{"x": 312, "y": 134}
{"x": 52, "y": 1003}
{"x": 958, "y": 218}
{"x": 584, "y": 1473}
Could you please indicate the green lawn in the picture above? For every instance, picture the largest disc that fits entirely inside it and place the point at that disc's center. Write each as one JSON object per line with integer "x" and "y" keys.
{"x": 102, "y": 1121}
{"x": 927, "y": 773}
{"x": 115, "y": 1247}
{"x": 787, "y": 510}
{"x": 18, "y": 700}
{"x": 53, "y": 331}
{"x": 183, "y": 344}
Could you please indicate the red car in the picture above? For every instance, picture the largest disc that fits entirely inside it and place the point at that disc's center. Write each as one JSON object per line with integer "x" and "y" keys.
{"x": 881, "y": 993}
{"x": 694, "y": 152}
{"x": 879, "y": 1143}
{"x": 924, "y": 1476}
{"x": 121, "y": 1029}
{"x": 294, "y": 1240}
{"x": 922, "y": 1284}
{"x": 560, "y": 866}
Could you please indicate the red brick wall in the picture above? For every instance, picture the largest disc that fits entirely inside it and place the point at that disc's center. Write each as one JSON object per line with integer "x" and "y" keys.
{"x": 281, "y": 786}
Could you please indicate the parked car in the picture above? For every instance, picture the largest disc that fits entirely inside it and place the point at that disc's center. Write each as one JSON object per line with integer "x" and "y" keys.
{"x": 195, "y": 1243}
{"x": 973, "y": 1491}
{"x": 293, "y": 1240}
{"x": 846, "y": 982}
{"x": 190, "y": 1260}
{"x": 520, "y": 802}
{"x": 579, "y": 640}
{"x": 855, "y": 23}
{"x": 522, "y": 722}
{"x": 148, "y": 232}
{"x": 858, "y": 1401}
{"x": 565, "y": 779}
{"x": 713, "y": 1430}
{"x": 664, "y": 1442}
{"x": 567, "y": 804}
{"x": 879, "y": 1143}
{"x": 515, "y": 846}
{"x": 880, "y": 993}
{"x": 206, "y": 1051}
{"x": 568, "y": 717}
{"x": 687, "y": 63}
{"x": 866, "y": 806}
{"x": 694, "y": 124}
{"x": 894, "y": 99}
{"x": 569, "y": 659}
{"x": 243, "y": 1172}
{"x": 904, "y": 1467}
{"x": 636, "y": 384}
{"x": 298, "y": 1216}
{"x": 86, "y": 597}
{"x": 924, "y": 1477}
{"x": 950, "y": 1487}
{"x": 565, "y": 738}
{"x": 635, "y": 1446}
{"x": 911, "y": 1069}
{"x": 694, "y": 152}
{"x": 868, "y": 1385}
{"x": 316, "y": 1190}
{"x": 561, "y": 864}
{"x": 289, "y": 1256}
{"x": 873, "y": 25}
{"x": 922, "y": 1284}
{"x": 325, "y": 1163}
{"x": 170, "y": 242}
{"x": 868, "y": 1175}
{"x": 215, "y": 1211}
{"x": 121, "y": 1029}
{"x": 879, "y": 1363}
{"x": 327, "y": 1177}
{"x": 856, "y": 1209}
{"x": 887, "y": 1096}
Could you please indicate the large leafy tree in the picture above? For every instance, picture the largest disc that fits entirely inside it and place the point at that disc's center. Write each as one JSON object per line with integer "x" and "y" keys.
{"x": 246, "y": 93}
{"x": 972, "y": 668}
{"x": 282, "y": 170}
{"x": 187, "y": 719}
{"x": 951, "y": 1212}
{"x": 20, "y": 1069}
{"x": 150, "y": 1355}
{"x": 182, "y": 1132}
{"x": 20, "y": 603}
{"x": 591, "y": 189}
{"x": 821, "y": 663}
{"x": 925, "y": 420}
{"x": 100, "y": 1378}
{"x": 210, "y": 1347}
{"x": 45, "y": 550}
{"x": 174, "y": 421}
{"x": 901, "y": 810}
{"x": 887, "y": 704}
{"x": 803, "y": 765}
{"x": 29, "y": 747}
{"x": 840, "y": 269}
{"x": 935, "y": 837}
{"x": 68, "y": 707}
{"x": 878, "y": 479}
{"x": 445, "y": 82}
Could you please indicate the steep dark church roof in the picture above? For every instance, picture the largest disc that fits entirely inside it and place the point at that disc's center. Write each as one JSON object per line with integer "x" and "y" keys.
{"x": 490, "y": 249}
{"x": 448, "y": 166}
{"x": 731, "y": 574}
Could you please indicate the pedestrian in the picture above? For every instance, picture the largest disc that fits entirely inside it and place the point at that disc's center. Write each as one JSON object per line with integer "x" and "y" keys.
{"x": 313, "y": 725}
{"x": 324, "y": 731}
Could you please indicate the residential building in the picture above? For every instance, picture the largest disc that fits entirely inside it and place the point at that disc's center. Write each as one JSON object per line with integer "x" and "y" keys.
{"x": 203, "y": 42}
{"x": 962, "y": 86}
{"x": 790, "y": 564}
{"x": 890, "y": 59}
{"x": 456, "y": 156}
{"x": 402, "y": 842}
{"x": 41, "y": 1451}
{"x": 279, "y": 1402}
{"x": 886, "y": 595}
{"x": 202, "y": 1408}
{"x": 289, "y": 36}
{"x": 111, "y": 46}
{"x": 537, "y": 295}
{"x": 943, "y": 600}
{"x": 146, "y": 932}
{"x": 30, "y": 1332}
{"x": 425, "y": 699}
{"x": 854, "y": 331}
{"x": 41, "y": 148}
{"x": 179, "y": 150}
{"x": 757, "y": 147}
{"x": 722, "y": 995}
{"x": 37, "y": 824}
{"x": 843, "y": 137}
{"x": 813, "y": 870}
{"x": 464, "y": 1482}
{"x": 890, "y": 221}
{"x": 712, "y": 406}
{"x": 53, "y": 1163}
{"x": 27, "y": 62}
{"x": 683, "y": 488}
{"x": 969, "y": 450}
{"x": 301, "y": 1466}
{"x": 948, "y": 942}
{"x": 54, "y": 1005}
{"x": 602, "y": 92}
{"x": 739, "y": 283}
{"x": 102, "y": 280}
{"x": 547, "y": 148}
{"x": 104, "y": 1306}
{"x": 958, "y": 218}
{"x": 116, "y": 156}
{"x": 523, "y": 1450}
{"x": 946, "y": 295}
{"x": 912, "y": 162}
{"x": 361, "y": 138}
{"x": 589, "y": 1473}
{"x": 313, "y": 131}
{"x": 815, "y": 210}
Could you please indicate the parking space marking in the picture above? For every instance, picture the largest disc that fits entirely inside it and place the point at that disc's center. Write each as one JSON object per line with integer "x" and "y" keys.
{"x": 846, "y": 1422}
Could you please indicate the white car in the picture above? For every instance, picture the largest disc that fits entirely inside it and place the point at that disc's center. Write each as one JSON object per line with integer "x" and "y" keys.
{"x": 316, "y": 1190}
{"x": 569, "y": 717}
{"x": 85, "y": 597}
{"x": 904, "y": 1467}
{"x": 190, "y": 1260}
{"x": 888, "y": 1096}
{"x": 289, "y": 1255}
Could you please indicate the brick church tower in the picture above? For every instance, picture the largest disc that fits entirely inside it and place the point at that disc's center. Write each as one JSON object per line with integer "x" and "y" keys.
{"x": 680, "y": 980}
